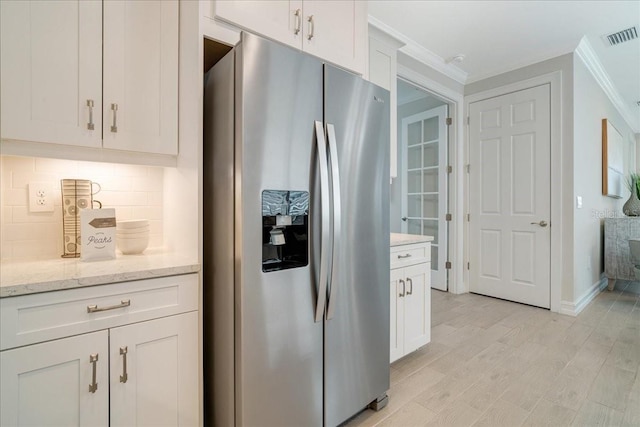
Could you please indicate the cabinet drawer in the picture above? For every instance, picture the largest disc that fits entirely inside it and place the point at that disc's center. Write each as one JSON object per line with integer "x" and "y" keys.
{"x": 402, "y": 256}
{"x": 41, "y": 317}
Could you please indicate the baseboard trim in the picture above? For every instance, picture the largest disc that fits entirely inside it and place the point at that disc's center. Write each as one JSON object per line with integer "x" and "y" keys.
{"x": 574, "y": 308}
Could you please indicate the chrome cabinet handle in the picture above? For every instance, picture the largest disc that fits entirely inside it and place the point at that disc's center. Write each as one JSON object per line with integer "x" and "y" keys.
{"x": 95, "y": 309}
{"x": 410, "y": 291}
{"x": 325, "y": 213}
{"x": 296, "y": 29}
{"x": 404, "y": 256}
{"x": 337, "y": 217}
{"x": 403, "y": 290}
{"x": 311, "y": 27}
{"x": 123, "y": 353}
{"x": 90, "y": 125}
{"x": 114, "y": 126}
{"x": 541, "y": 223}
{"x": 93, "y": 359}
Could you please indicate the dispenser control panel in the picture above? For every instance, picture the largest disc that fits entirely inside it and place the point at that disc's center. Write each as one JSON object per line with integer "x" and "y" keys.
{"x": 285, "y": 229}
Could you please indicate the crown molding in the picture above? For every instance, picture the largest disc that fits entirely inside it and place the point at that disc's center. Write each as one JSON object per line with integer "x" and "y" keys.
{"x": 419, "y": 53}
{"x": 590, "y": 59}
{"x": 383, "y": 36}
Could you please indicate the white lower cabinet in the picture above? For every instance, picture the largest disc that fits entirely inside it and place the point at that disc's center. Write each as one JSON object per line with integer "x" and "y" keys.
{"x": 410, "y": 295}
{"x": 48, "y": 384}
{"x": 154, "y": 372}
{"x": 143, "y": 373}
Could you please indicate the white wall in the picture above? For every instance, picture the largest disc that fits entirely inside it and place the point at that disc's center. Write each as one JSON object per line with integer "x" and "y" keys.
{"x": 591, "y": 105}
{"x": 134, "y": 191}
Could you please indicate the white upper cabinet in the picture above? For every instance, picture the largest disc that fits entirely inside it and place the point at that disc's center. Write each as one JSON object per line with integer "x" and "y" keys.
{"x": 51, "y": 65}
{"x": 140, "y": 105}
{"x": 334, "y": 30}
{"x": 61, "y": 85}
{"x": 276, "y": 19}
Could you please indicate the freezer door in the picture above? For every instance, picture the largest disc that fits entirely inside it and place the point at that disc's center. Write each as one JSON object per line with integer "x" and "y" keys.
{"x": 278, "y": 343}
{"x": 357, "y": 329}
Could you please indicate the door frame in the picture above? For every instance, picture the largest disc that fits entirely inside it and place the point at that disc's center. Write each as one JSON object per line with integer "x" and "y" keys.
{"x": 455, "y": 239}
{"x": 554, "y": 79}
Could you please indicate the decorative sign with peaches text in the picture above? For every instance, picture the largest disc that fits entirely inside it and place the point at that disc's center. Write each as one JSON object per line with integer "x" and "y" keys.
{"x": 98, "y": 234}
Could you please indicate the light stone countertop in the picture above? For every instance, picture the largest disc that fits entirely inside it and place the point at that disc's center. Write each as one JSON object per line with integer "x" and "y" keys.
{"x": 33, "y": 276}
{"x": 398, "y": 239}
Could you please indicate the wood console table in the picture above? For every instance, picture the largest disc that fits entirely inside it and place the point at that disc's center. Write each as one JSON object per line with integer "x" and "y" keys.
{"x": 617, "y": 259}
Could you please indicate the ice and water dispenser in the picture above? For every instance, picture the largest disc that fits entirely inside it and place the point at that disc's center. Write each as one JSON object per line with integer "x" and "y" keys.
{"x": 285, "y": 229}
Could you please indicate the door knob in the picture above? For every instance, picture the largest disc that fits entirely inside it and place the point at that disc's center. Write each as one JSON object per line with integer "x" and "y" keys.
{"x": 404, "y": 218}
{"x": 541, "y": 223}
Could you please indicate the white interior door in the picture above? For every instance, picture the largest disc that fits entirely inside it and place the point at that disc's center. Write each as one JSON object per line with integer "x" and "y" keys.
{"x": 509, "y": 196}
{"x": 424, "y": 184}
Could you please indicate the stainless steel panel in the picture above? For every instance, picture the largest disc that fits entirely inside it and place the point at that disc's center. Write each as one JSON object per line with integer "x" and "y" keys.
{"x": 218, "y": 244}
{"x": 278, "y": 345}
{"x": 357, "y": 337}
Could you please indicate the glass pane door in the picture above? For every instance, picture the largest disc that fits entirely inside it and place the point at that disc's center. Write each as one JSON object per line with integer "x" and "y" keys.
{"x": 424, "y": 150}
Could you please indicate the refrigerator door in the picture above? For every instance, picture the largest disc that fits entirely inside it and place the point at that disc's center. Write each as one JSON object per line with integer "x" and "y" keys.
{"x": 357, "y": 331}
{"x": 278, "y": 344}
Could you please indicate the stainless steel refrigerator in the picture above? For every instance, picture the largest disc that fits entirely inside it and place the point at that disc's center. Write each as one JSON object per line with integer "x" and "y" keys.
{"x": 296, "y": 240}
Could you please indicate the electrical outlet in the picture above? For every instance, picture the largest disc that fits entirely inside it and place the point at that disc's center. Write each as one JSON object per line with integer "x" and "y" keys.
{"x": 40, "y": 197}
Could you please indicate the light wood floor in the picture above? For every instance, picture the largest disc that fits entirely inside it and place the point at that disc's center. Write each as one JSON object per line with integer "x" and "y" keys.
{"x": 496, "y": 363}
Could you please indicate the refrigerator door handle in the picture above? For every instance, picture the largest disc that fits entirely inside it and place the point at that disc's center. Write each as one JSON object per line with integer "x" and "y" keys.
{"x": 337, "y": 211}
{"x": 325, "y": 220}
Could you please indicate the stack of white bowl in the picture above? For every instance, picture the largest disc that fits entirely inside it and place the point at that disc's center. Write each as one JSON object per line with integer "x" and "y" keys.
{"x": 132, "y": 236}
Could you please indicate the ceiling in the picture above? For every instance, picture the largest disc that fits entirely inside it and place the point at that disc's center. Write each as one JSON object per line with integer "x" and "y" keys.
{"x": 499, "y": 36}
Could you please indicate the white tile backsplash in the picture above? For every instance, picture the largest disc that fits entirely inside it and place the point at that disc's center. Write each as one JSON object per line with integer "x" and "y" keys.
{"x": 134, "y": 191}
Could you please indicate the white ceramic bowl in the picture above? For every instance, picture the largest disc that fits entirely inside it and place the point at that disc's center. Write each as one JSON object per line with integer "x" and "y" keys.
{"x": 141, "y": 235}
{"x": 133, "y": 245}
{"x": 132, "y": 223}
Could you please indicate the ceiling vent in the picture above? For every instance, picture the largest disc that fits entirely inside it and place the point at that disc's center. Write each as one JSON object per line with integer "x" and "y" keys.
{"x": 622, "y": 36}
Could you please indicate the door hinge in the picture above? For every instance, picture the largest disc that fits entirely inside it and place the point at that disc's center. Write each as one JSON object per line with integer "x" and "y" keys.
{"x": 447, "y": 265}
{"x": 468, "y": 266}
{"x": 449, "y": 169}
{"x": 468, "y": 119}
{"x": 468, "y": 167}
{"x": 468, "y": 217}
{"x": 449, "y": 121}
{"x": 447, "y": 217}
